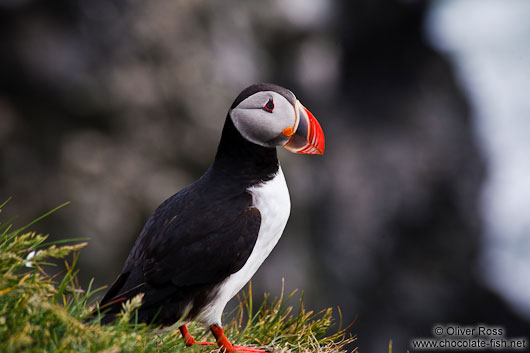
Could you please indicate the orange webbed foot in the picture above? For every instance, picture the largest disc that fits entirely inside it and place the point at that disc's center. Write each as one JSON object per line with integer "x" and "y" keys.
{"x": 223, "y": 342}
{"x": 189, "y": 340}
{"x": 243, "y": 349}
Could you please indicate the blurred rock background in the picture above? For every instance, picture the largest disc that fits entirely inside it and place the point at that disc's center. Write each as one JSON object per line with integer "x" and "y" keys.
{"x": 116, "y": 105}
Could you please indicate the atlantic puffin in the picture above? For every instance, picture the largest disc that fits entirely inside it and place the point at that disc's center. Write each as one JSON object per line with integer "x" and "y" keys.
{"x": 203, "y": 244}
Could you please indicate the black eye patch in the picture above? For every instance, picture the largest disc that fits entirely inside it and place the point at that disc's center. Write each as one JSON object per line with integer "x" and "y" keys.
{"x": 269, "y": 107}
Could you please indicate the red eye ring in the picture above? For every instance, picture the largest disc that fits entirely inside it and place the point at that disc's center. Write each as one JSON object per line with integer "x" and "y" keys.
{"x": 269, "y": 107}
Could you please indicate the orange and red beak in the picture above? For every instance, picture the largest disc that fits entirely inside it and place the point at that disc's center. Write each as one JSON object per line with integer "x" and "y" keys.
{"x": 308, "y": 137}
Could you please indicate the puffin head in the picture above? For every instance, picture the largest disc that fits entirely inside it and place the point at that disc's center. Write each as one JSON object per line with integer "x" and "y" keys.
{"x": 271, "y": 116}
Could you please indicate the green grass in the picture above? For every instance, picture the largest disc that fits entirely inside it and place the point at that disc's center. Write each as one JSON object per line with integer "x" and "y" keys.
{"x": 44, "y": 313}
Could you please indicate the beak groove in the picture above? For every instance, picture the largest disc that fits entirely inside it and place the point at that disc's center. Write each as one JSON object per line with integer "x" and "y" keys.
{"x": 308, "y": 137}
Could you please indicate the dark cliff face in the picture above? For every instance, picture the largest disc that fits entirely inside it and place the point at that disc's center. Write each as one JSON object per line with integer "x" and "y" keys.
{"x": 406, "y": 238}
{"x": 110, "y": 105}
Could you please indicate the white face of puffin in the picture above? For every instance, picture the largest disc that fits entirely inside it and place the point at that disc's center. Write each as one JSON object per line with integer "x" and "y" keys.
{"x": 268, "y": 119}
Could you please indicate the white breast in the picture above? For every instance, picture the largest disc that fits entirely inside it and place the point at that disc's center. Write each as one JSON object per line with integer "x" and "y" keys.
{"x": 272, "y": 200}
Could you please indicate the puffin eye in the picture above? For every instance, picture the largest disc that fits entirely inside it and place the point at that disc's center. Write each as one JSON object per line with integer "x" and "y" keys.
{"x": 269, "y": 107}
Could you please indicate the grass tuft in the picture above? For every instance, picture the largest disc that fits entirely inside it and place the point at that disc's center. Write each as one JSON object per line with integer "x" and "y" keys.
{"x": 44, "y": 313}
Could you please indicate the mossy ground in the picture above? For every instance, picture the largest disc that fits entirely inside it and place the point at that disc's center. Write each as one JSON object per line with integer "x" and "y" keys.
{"x": 44, "y": 313}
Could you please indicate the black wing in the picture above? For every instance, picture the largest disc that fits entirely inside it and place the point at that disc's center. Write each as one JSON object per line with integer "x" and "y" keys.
{"x": 192, "y": 242}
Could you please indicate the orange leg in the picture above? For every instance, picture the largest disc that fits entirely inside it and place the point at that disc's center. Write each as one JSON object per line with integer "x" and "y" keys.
{"x": 189, "y": 340}
{"x": 223, "y": 342}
